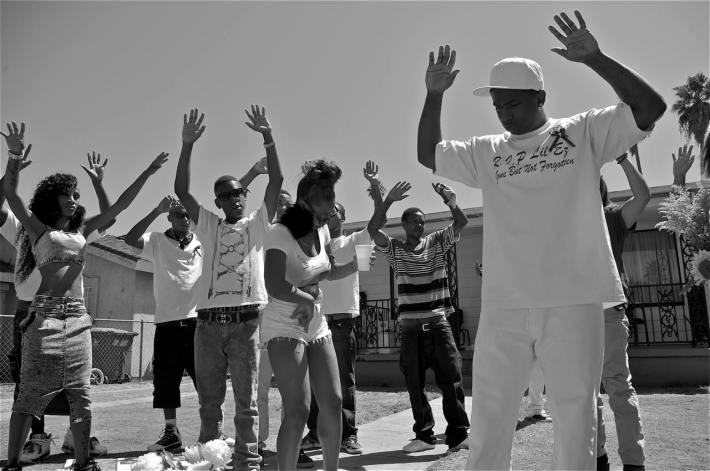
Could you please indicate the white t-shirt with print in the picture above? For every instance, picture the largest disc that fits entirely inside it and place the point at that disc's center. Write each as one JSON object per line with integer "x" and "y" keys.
{"x": 545, "y": 241}
{"x": 301, "y": 269}
{"x": 176, "y": 273}
{"x": 233, "y": 264}
{"x": 27, "y": 289}
{"x": 343, "y": 296}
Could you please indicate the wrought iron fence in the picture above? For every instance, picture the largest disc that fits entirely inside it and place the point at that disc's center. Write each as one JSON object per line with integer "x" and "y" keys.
{"x": 377, "y": 329}
{"x": 122, "y": 350}
{"x": 658, "y": 314}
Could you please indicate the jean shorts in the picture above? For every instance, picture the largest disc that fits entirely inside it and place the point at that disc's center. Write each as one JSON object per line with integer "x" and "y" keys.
{"x": 56, "y": 356}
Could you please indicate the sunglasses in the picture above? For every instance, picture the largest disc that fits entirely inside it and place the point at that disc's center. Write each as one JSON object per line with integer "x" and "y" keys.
{"x": 232, "y": 194}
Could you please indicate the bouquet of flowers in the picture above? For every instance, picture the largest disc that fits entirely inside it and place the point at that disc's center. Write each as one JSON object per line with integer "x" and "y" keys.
{"x": 214, "y": 455}
{"x": 688, "y": 215}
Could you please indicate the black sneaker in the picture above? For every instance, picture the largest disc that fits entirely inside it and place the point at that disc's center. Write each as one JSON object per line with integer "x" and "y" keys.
{"x": 304, "y": 461}
{"x": 90, "y": 466}
{"x": 634, "y": 467}
{"x": 603, "y": 462}
{"x": 351, "y": 446}
{"x": 169, "y": 440}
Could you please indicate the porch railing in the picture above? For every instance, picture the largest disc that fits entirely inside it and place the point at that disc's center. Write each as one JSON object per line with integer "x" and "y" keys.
{"x": 658, "y": 314}
{"x": 377, "y": 329}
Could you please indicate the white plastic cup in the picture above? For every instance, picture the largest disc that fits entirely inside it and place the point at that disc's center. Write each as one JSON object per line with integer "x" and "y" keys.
{"x": 363, "y": 257}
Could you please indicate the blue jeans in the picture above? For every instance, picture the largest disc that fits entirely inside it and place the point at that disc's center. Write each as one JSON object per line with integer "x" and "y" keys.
{"x": 343, "y": 332}
{"x": 234, "y": 346}
{"x": 429, "y": 343}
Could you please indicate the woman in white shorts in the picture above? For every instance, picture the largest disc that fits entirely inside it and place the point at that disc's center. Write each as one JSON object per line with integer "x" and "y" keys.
{"x": 297, "y": 257}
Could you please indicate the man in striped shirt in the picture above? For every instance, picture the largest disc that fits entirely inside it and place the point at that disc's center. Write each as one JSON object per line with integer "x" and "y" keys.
{"x": 424, "y": 301}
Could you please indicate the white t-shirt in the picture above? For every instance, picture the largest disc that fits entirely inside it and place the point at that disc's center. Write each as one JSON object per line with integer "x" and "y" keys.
{"x": 27, "y": 289}
{"x": 233, "y": 264}
{"x": 301, "y": 269}
{"x": 176, "y": 273}
{"x": 545, "y": 241}
{"x": 343, "y": 296}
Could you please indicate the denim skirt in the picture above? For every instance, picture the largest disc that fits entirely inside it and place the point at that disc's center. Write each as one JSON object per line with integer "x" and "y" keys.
{"x": 56, "y": 356}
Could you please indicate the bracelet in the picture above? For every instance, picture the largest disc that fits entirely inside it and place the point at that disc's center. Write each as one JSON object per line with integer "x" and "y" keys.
{"x": 14, "y": 156}
{"x": 621, "y": 158}
{"x": 270, "y": 144}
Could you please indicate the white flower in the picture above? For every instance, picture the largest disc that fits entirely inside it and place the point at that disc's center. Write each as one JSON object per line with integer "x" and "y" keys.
{"x": 201, "y": 466}
{"x": 149, "y": 462}
{"x": 217, "y": 452}
{"x": 701, "y": 267}
{"x": 193, "y": 454}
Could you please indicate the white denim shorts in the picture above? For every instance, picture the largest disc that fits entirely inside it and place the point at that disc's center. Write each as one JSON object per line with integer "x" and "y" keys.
{"x": 276, "y": 322}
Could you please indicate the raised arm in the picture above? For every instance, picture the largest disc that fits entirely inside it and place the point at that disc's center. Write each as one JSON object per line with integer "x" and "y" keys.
{"x": 134, "y": 238}
{"x": 580, "y": 46}
{"x": 259, "y": 168}
{"x": 24, "y": 163}
{"x": 439, "y": 77}
{"x": 126, "y": 197}
{"x": 449, "y": 197}
{"x": 260, "y": 124}
{"x": 682, "y": 164}
{"x": 379, "y": 217}
{"x": 96, "y": 174}
{"x": 641, "y": 195}
{"x": 192, "y": 129}
{"x": 11, "y": 180}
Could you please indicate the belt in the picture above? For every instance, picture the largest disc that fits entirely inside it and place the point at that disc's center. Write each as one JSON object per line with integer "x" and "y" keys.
{"x": 181, "y": 323}
{"x": 226, "y": 315}
{"x": 423, "y": 326}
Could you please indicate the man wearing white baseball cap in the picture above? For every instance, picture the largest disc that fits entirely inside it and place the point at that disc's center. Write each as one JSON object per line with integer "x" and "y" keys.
{"x": 549, "y": 264}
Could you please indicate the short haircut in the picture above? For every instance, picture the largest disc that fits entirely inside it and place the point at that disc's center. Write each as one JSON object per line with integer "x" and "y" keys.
{"x": 224, "y": 179}
{"x": 410, "y": 211}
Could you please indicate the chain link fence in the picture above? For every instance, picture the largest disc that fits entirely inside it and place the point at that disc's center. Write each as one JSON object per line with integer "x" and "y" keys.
{"x": 122, "y": 350}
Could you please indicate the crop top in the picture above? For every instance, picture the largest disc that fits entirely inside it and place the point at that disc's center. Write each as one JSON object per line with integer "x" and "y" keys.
{"x": 55, "y": 246}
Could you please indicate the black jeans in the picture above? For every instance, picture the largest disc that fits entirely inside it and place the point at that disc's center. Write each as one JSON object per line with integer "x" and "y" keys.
{"x": 173, "y": 353}
{"x": 343, "y": 332}
{"x": 15, "y": 358}
{"x": 429, "y": 343}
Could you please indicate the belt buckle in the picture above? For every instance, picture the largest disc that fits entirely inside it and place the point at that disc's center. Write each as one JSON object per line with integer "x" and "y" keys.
{"x": 222, "y": 318}
{"x": 425, "y": 327}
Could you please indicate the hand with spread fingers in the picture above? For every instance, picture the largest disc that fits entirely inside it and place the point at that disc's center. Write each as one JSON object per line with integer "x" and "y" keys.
{"x": 260, "y": 166}
{"x": 259, "y": 122}
{"x": 192, "y": 127}
{"x": 446, "y": 193}
{"x": 167, "y": 203}
{"x": 397, "y": 193}
{"x": 15, "y": 138}
{"x": 579, "y": 43}
{"x": 440, "y": 74}
{"x": 96, "y": 167}
{"x": 158, "y": 162}
{"x": 682, "y": 164}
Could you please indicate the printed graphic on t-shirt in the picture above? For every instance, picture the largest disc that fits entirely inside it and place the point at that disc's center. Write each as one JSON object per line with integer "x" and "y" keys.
{"x": 233, "y": 265}
{"x": 552, "y": 155}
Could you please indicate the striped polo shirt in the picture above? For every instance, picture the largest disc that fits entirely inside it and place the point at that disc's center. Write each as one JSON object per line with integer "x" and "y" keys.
{"x": 422, "y": 285}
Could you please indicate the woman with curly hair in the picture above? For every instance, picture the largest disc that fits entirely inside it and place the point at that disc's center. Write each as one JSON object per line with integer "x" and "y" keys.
{"x": 56, "y": 347}
{"x": 297, "y": 257}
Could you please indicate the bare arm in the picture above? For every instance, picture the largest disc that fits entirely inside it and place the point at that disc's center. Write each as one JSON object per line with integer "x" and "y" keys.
{"x": 633, "y": 207}
{"x": 646, "y": 103}
{"x": 192, "y": 129}
{"x": 449, "y": 197}
{"x": 260, "y": 124}
{"x": 3, "y": 209}
{"x": 379, "y": 217}
{"x": 134, "y": 238}
{"x": 275, "y": 280}
{"x": 126, "y": 197}
{"x": 257, "y": 169}
{"x": 339, "y": 271}
{"x": 439, "y": 77}
{"x": 96, "y": 174}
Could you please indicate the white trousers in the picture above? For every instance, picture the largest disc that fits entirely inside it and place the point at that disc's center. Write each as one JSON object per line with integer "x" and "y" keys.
{"x": 535, "y": 390}
{"x": 262, "y": 397}
{"x": 567, "y": 342}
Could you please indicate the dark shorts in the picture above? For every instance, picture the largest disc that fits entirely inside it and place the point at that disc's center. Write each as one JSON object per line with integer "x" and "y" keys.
{"x": 173, "y": 353}
{"x": 56, "y": 356}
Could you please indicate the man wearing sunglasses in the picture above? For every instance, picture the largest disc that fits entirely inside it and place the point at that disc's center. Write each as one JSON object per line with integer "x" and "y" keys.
{"x": 231, "y": 290}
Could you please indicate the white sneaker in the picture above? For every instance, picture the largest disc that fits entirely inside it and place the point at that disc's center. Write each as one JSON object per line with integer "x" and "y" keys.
{"x": 416, "y": 445}
{"x": 36, "y": 448}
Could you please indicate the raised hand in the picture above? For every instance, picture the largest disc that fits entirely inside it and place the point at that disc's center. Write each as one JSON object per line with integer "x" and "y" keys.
{"x": 259, "y": 123}
{"x": 370, "y": 172}
{"x": 579, "y": 43}
{"x": 96, "y": 168}
{"x": 167, "y": 203}
{"x": 15, "y": 138}
{"x": 397, "y": 193}
{"x": 192, "y": 128}
{"x": 24, "y": 163}
{"x": 440, "y": 74}
{"x": 683, "y": 162}
{"x": 260, "y": 166}
{"x": 444, "y": 191}
{"x": 158, "y": 162}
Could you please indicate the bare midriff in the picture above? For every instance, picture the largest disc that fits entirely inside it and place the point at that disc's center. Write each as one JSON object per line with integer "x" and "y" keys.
{"x": 61, "y": 279}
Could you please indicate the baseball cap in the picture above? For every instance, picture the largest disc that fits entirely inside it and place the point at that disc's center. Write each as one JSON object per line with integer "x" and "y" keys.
{"x": 515, "y": 73}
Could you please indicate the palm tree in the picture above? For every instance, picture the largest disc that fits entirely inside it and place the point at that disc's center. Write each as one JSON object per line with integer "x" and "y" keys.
{"x": 693, "y": 107}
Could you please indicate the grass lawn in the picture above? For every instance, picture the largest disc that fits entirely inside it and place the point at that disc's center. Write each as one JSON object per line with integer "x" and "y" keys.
{"x": 675, "y": 427}
{"x": 125, "y": 422}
